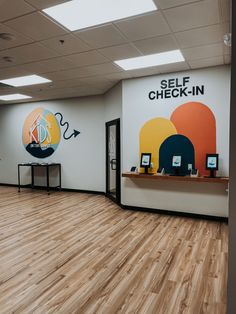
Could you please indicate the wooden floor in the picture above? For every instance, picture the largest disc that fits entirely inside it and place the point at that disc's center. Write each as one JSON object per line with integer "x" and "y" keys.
{"x": 79, "y": 253}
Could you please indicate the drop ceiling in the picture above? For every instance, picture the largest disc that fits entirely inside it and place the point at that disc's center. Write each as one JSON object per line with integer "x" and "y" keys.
{"x": 81, "y": 63}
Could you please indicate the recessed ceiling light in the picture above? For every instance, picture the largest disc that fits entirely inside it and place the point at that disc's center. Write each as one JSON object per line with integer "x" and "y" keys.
{"x": 151, "y": 60}
{"x": 79, "y": 14}
{"x": 25, "y": 80}
{"x": 14, "y": 97}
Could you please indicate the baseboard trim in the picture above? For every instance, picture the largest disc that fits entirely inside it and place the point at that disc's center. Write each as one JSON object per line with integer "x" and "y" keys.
{"x": 83, "y": 191}
{"x": 9, "y": 184}
{"x": 37, "y": 187}
{"x": 175, "y": 213}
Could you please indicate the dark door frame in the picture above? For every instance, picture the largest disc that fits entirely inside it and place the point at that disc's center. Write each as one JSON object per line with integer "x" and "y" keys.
{"x": 115, "y": 122}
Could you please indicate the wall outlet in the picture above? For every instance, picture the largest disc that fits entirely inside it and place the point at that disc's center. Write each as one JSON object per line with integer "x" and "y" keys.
{"x": 190, "y": 166}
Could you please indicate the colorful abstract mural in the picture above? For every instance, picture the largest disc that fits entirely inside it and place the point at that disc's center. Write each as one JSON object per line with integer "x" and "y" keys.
{"x": 152, "y": 135}
{"x": 41, "y": 133}
{"x": 190, "y": 132}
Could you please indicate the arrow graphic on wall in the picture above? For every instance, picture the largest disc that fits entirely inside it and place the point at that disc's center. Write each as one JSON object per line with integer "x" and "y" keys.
{"x": 66, "y": 124}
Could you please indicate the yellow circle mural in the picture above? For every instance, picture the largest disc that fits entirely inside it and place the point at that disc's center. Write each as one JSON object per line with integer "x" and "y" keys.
{"x": 41, "y": 133}
{"x": 152, "y": 135}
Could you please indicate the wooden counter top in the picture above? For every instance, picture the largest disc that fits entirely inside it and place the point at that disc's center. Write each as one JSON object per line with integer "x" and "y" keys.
{"x": 134, "y": 175}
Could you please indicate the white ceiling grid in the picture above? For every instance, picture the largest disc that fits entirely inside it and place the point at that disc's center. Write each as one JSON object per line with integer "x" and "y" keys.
{"x": 80, "y": 63}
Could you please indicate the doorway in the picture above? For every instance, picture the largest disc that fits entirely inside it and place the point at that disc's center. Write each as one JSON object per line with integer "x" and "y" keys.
{"x": 113, "y": 160}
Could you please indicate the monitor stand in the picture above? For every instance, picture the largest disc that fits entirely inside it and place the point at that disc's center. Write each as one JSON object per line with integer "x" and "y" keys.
{"x": 212, "y": 174}
{"x": 146, "y": 171}
{"x": 177, "y": 173}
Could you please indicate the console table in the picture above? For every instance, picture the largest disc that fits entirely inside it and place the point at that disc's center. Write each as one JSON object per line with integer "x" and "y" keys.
{"x": 47, "y": 166}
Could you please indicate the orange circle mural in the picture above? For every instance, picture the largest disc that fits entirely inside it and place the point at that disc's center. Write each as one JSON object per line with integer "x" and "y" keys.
{"x": 197, "y": 122}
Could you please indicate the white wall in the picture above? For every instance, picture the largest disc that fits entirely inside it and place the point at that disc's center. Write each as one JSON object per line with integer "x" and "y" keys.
{"x": 137, "y": 108}
{"x": 82, "y": 158}
{"x": 231, "y": 300}
{"x": 113, "y": 103}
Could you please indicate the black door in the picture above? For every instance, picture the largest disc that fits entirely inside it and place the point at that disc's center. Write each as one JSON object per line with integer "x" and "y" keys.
{"x": 113, "y": 160}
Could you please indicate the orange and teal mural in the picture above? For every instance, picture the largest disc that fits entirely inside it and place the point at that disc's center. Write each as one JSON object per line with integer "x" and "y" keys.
{"x": 197, "y": 122}
{"x": 41, "y": 133}
{"x": 190, "y": 132}
{"x": 152, "y": 135}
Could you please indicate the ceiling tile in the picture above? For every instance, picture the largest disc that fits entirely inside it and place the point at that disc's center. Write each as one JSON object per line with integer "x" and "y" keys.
{"x": 225, "y": 10}
{"x": 78, "y": 70}
{"x": 208, "y": 62}
{"x": 226, "y": 49}
{"x": 120, "y": 52}
{"x": 118, "y": 76}
{"x": 13, "y": 71}
{"x": 203, "y": 52}
{"x": 201, "y": 13}
{"x": 66, "y": 45}
{"x": 93, "y": 70}
{"x": 104, "y": 68}
{"x": 87, "y": 58}
{"x": 67, "y": 74}
{"x": 69, "y": 83}
{"x": 148, "y": 25}
{"x": 42, "y": 88}
{"x": 156, "y": 44}
{"x": 102, "y": 36}
{"x": 95, "y": 79}
{"x": 8, "y": 90}
{"x": 43, "y": 4}
{"x": 227, "y": 59}
{"x": 68, "y": 92}
{"x": 225, "y": 27}
{"x": 26, "y": 54}
{"x": 51, "y": 65}
{"x": 174, "y": 67}
{"x": 165, "y": 4}
{"x": 141, "y": 72}
{"x": 10, "y": 9}
{"x": 200, "y": 36}
{"x": 36, "y": 26}
{"x": 103, "y": 86}
{"x": 17, "y": 40}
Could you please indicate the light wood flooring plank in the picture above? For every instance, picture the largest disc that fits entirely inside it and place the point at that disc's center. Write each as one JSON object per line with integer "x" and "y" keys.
{"x": 79, "y": 253}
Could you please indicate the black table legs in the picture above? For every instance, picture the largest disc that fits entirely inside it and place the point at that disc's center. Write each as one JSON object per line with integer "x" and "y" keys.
{"x": 47, "y": 166}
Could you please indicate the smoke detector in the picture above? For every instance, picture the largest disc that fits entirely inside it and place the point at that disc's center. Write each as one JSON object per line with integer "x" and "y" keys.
{"x": 227, "y": 39}
{"x": 7, "y": 36}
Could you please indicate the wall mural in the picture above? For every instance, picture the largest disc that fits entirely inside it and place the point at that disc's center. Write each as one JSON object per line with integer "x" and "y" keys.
{"x": 190, "y": 132}
{"x": 75, "y": 132}
{"x": 42, "y": 132}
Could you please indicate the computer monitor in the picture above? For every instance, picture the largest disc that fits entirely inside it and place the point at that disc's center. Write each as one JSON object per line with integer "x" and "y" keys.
{"x": 176, "y": 161}
{"x": 212, "y": 163}
{"x": 176, "y": 164}
{"x": 145, "y": 161}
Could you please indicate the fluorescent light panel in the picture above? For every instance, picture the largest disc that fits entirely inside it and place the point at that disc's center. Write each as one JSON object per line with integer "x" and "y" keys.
{"x": 14, "y": 97}
{"x": 79, "y": 14}
{"x": 25, "y": 80}
{"x": 151, "y": 60}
